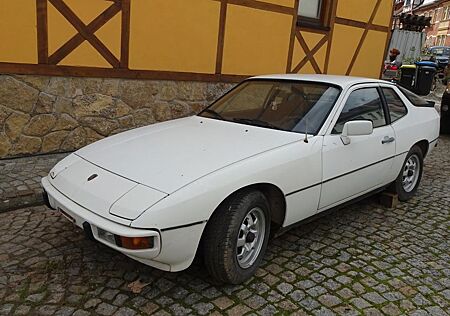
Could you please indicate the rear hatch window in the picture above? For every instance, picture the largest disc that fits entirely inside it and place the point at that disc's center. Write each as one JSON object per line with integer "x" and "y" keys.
{"x": 414, "y": 98}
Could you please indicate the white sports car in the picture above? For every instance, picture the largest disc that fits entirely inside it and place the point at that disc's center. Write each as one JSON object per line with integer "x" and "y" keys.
{"x": 272, "y": 152}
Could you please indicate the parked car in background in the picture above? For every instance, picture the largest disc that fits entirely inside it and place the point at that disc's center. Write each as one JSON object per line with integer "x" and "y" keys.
{"x": 272, "y": 152}
{"x": 441, "y": 55}
{"x": 445, "y": 112}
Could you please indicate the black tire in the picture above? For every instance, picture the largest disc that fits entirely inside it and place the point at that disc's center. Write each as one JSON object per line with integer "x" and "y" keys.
{"x": 398, "y": 186}
{"x": 221, "y": 236}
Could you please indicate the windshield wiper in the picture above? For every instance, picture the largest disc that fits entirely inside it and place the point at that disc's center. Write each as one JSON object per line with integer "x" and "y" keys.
{"x": 217, "y": 115}
{"x": 256, "y": 122}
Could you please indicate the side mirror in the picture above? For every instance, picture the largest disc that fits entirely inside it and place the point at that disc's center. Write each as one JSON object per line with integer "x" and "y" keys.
{"x": 355, "y": 128}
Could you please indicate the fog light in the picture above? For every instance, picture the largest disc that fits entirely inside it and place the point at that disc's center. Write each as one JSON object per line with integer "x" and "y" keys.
{"x": 444, "y": 108}
{"x": 107, "y": 236}
{"x": 136, "y": 242}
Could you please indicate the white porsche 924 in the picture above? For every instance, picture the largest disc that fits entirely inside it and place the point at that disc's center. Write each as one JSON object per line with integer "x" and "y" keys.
{"x": 272, "y": 152}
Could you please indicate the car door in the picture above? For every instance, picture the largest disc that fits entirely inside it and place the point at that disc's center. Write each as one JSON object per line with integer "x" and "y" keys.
{"x": 362, "y": 165}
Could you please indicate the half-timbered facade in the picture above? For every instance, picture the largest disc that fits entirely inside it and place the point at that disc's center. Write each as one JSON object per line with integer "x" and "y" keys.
{"x": 197, "y": 41}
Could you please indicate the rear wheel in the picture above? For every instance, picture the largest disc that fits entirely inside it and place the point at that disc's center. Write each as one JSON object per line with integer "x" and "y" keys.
{"x": 236, "y": 237}
{"x": 409, "y": 178}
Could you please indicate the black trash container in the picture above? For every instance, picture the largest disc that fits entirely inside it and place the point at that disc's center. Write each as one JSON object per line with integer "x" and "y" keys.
{"x": 445, "y": 112}
{"x": 425, "y": 77}
{"x": 445, "y": 119}
{"x": 408, "y": 76}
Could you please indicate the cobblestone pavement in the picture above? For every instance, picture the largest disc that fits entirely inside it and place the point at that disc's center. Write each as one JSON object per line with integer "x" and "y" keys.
{"x": 362, "y": 259}
{"x": 20, "y": 180}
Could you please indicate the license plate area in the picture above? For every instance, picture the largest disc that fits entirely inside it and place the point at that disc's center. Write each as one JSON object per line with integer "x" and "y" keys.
{"x": 66, "y": 215}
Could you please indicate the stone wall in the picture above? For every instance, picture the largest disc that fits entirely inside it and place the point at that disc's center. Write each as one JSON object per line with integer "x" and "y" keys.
{"x": 40, "y": 114}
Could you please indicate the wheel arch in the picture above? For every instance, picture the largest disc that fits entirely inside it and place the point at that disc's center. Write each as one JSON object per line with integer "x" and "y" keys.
{"x": 277, "y": 202}
{"x": 423, "y": 145}
{"x": 274, "y": 196}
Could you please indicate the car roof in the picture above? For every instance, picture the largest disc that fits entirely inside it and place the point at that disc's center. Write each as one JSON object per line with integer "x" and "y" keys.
{"x": 342, "y": 81}
{"x": 439, "y": 47}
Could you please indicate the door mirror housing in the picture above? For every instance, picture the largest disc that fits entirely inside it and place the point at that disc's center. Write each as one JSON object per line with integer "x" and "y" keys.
{"x": 356, "y": 128}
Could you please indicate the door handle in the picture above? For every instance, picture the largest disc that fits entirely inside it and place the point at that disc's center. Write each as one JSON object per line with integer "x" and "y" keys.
{"x": 387, "y": 140}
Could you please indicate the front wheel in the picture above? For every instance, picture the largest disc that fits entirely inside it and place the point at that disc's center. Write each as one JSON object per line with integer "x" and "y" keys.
{"x": 236, "y": 237}
{"x": 409, "y": 178}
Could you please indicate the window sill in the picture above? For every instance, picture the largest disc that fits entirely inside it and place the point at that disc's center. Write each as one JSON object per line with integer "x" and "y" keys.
{"x": 312, "y": 25}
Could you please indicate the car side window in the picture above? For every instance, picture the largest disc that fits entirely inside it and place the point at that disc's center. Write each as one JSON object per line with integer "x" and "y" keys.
{"x": 397, "y": 108}
{"x": 362, "y": 104}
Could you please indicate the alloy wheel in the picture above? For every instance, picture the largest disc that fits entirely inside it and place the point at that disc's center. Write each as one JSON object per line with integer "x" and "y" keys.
{"x": 250, "y": 237}
{"x": 411, "y": 172}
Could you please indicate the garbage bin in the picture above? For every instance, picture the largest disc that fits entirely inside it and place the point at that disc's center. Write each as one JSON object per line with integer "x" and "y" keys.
{"x": 427, "y": 63}
{"x": 425, "y": 77}
{"x": 445, "y": 112}
{"x": 408, "y": 76}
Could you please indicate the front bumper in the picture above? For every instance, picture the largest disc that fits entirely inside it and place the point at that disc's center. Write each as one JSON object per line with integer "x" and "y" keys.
{"x": 82, "y": 217}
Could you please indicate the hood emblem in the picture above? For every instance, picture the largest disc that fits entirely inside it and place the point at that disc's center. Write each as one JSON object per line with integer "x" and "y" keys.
{"x": 92, "y": 177}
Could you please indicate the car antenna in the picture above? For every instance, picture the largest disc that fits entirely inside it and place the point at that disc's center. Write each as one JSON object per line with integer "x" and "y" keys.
{"x": 306, "y": 132}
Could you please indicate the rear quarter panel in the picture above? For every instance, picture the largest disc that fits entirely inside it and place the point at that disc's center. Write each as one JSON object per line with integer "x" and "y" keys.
{"x": 421, "y": 123}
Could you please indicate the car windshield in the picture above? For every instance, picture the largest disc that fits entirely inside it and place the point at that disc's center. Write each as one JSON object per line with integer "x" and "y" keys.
{"x": 295, "y": 106}
{"x": 441, "y": 51}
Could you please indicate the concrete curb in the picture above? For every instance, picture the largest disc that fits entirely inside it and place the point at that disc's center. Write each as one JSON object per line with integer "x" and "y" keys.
{"x": 20, "y": 180}
{"x": 16, "y": 202}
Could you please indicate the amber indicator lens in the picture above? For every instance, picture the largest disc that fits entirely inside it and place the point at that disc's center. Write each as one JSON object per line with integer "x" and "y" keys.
{"x": 136, "y": 242}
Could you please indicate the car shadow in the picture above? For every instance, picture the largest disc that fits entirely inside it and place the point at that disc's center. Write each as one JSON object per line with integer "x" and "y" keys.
{"x": 296, "y": 243}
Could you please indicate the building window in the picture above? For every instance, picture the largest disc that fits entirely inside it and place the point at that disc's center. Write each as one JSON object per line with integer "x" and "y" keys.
{"x": 440, "y": 40}
{"x": 446, "y": 13}
{"x": 314, "y": 13}
{"x": 310, "y": 9}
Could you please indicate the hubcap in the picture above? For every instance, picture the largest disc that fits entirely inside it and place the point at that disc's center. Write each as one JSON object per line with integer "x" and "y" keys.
{"x": 411, "y": 172}
{"x": 250, "y": 237}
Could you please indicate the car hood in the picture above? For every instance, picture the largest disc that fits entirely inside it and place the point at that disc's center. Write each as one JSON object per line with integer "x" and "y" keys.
{"x": 102, "y": 191}
{"x": 167, "y": 156}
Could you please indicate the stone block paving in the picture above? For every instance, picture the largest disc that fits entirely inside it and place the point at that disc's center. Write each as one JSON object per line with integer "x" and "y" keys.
{"x": 20, "y": 180}
{"x": 361, "y": 260}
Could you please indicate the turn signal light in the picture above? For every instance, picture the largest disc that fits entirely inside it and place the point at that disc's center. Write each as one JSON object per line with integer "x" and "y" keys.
{"x": 126, "y": 242}
{"x": 135, "y": 242}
